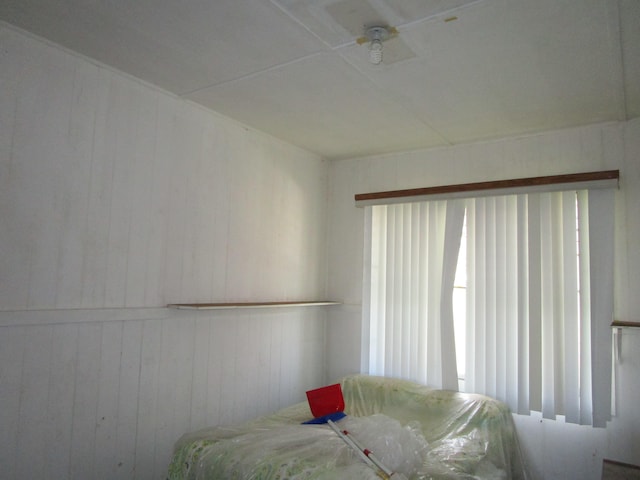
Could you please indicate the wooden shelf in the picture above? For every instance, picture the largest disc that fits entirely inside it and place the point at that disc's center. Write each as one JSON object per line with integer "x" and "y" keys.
{"x": 612, "y": 470}
{"x": 223, "y": 306}
{"x": 619, "y": 323}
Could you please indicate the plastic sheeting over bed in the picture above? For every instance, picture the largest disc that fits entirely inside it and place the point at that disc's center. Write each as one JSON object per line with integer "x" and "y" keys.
{"x": 416, "y": 431}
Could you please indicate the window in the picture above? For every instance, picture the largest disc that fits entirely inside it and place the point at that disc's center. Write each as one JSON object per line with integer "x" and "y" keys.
{"x": 530, "y": 274}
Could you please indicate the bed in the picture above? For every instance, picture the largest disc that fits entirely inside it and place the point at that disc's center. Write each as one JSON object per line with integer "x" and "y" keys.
{"x": 415, "y": 431}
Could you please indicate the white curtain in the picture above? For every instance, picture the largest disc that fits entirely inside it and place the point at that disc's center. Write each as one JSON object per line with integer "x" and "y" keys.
{"x": 540, "y": 302}
{"x": 410, "y": 261}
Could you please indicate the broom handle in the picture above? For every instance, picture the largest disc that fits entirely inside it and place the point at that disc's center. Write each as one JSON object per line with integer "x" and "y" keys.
{"x": 369, "y": 454}
{"x": 350, "y": 443}
{"x": 364, "y": 453}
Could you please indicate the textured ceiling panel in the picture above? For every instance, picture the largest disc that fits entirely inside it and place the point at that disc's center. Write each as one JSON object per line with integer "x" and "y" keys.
{"x": 355, "y": 15}
{"x": 457, "y": 71}
{"x": 414, "y": 10}
{"x": 301, "y": 100}
{"x": 180, "y": 46}
{"x": 338, "y": 22}
{"x": 543, "y": 69}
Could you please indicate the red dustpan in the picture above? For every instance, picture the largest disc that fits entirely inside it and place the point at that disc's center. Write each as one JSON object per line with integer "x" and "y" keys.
{"x": 326, "y": 403}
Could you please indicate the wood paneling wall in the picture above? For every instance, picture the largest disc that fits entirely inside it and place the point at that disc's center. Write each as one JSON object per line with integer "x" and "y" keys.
{"x": 116, "y": 194}
{"x": 116, "y": 199}
{"x": 108, "y": 399}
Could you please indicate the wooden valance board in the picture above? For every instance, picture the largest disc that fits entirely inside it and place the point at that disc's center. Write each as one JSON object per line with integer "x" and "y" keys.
{"x": 606, "y": 178}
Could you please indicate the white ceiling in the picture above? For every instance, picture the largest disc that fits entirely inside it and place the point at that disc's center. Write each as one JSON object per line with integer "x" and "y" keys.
{"x": 458, "y": 71}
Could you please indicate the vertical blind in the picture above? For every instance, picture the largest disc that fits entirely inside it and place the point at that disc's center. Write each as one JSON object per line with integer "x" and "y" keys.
{"x": 413, "y": 253}
{"x": 539, "y": 298}
{"x": 537, "y": 337}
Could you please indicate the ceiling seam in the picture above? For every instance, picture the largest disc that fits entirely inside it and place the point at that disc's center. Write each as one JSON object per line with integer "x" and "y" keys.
{"x": 436, "y": 16}
{"x": 255, "y": 74}
{"x": 295, "y": 19}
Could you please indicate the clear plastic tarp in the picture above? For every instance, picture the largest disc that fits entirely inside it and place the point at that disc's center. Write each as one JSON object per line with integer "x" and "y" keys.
{"x": 415, "y": 431}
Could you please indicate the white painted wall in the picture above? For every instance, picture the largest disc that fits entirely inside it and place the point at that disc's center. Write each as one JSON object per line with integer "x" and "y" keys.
{"x": 117, "y": 198}
{"x": 115, "y": 194}
{"x": 92, "y": 394}
{"x": 555, "y": 451}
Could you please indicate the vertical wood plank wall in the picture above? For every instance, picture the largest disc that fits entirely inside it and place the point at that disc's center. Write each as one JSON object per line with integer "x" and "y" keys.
{"x": 115, "y": 194}
{"x": 117, "y": 198}
{"x": 107, "y": 399}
